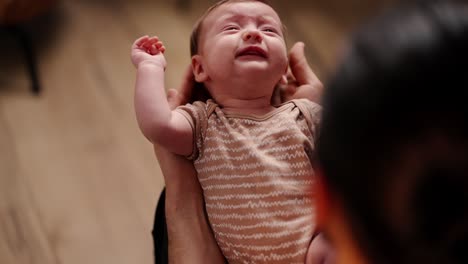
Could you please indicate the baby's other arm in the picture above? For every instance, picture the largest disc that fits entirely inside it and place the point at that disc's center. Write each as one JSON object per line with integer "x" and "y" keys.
{"x": 157, "y": 122}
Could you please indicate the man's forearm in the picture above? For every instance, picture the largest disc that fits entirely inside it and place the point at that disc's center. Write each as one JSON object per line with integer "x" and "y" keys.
{"x": 190, "y": 237}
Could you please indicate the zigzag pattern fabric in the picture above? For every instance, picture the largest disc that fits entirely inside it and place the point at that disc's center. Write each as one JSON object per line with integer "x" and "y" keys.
{"x": 256, "y": 176}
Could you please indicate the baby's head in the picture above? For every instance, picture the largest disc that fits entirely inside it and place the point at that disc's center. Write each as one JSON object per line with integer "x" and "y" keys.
{"x": 197, "y": 29}
{"x": 238, "y": 37}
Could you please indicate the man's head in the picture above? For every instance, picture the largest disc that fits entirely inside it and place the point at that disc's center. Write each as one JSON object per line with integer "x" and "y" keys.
{"x": 237, "y": 38}
{"x": 394, "y": 139}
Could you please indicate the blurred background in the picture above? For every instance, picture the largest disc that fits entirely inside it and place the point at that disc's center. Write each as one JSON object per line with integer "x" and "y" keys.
{"x": 78, "y": 182}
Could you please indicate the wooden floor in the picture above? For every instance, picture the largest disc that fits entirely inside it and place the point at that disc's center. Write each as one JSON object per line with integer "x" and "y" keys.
{"x": 78, "y": 182}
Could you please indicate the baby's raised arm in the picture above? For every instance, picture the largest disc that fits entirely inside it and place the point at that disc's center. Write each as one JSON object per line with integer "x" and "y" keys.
{"x": 157, "y": 122}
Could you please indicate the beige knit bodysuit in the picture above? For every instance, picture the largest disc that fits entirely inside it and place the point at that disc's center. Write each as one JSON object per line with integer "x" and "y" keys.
{"x": 256, "y": 176}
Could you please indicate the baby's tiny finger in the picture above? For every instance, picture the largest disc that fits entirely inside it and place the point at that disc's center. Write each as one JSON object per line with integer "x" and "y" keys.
{"x": 153, "y": 40}
{"x": 162, "y": 49}
{"x": 147, "y": 45}
{"x": 149, "y": 42}
{"x": 141, "y": 40}
{"x": 154, "y": 50}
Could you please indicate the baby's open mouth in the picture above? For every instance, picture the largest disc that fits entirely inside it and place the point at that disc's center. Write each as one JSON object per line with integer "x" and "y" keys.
{"x": 252, "y": 51}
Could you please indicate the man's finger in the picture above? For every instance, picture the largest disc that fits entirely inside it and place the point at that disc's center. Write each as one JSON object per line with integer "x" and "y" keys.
{"x": 186, "y": 87}
{"x": 176, "y": 97}
{"x": 173, "y": 98}
{"x": 299, "y": 66}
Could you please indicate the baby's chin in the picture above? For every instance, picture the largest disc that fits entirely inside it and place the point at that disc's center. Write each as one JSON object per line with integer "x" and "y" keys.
{"x": 254, "y": 65}
{"x": 258, "y": 70}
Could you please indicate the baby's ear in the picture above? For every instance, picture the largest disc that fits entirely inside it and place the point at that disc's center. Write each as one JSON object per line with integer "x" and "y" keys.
{"x": 198, "y": 69}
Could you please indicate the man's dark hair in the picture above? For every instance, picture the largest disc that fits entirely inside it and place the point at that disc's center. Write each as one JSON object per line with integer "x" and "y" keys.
{"x": 394, "y": 138}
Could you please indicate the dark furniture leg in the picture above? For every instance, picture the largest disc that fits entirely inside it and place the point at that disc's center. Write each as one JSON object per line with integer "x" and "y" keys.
{"x": 28, "y": 48}
{"x": 183, "y": 4}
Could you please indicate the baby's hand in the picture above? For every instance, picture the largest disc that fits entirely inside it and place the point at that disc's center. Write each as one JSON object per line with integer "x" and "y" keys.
{"x": 148, "y": 49}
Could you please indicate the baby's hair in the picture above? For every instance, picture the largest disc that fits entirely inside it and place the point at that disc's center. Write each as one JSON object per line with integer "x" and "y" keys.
{"x": 197, "y": 29}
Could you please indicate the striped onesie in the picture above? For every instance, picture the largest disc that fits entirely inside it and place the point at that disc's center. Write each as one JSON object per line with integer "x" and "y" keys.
{"x": 256, "y": 176}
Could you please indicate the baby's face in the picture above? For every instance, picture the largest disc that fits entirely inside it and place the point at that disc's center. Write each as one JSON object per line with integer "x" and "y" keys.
{"x": 241, "y": 38}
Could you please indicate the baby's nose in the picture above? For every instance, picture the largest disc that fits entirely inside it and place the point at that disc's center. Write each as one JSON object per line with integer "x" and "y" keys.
{"x": 252, "y": 35}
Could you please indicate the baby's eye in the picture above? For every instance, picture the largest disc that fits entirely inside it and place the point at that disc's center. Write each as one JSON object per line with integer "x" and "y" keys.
{"x": 270, "y": 30}
{"x": 229, "y": 28}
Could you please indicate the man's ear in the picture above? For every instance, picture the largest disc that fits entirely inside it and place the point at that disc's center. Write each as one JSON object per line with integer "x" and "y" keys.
{"x": 198, "y": 69}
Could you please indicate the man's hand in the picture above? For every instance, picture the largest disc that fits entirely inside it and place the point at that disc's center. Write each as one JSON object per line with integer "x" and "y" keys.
{"x": 148, "y": 50}
{"x": 181, "y": 96}
{"x": 320, "y": 251}
{"x": 302, "y": 81}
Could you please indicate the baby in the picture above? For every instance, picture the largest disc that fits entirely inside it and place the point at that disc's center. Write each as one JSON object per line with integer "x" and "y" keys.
{"x": 253, "y": 159}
